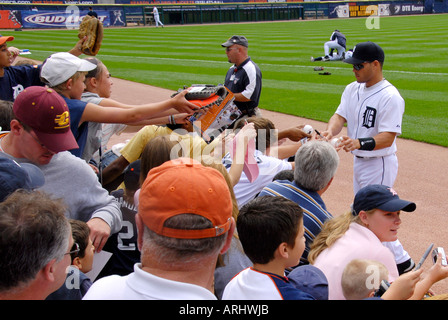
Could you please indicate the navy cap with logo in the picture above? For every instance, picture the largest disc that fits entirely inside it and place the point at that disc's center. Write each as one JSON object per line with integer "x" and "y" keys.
{"x": 131, "y": 176}
{"x": 366, "y": 52}
{"x": 241, "y": 40}
{"x": 381, "y": 197}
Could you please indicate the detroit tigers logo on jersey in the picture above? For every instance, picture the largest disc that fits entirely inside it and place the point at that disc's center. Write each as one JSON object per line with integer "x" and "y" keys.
{"x": 369, "y": 117}
{"x": 17, "y": 89}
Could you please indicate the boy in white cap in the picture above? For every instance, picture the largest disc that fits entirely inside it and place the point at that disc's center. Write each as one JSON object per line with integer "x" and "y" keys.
{"x": 65, "y": 73}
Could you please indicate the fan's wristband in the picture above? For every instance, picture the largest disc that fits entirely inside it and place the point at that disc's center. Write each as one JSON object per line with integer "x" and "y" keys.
{"x": 367, "y": 144}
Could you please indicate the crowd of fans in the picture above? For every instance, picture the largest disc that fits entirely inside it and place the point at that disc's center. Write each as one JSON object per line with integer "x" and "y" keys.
{"x": 240, "y": 218}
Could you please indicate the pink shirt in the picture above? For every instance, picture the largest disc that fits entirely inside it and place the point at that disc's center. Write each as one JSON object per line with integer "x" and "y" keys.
{"x": 357, "y": 243}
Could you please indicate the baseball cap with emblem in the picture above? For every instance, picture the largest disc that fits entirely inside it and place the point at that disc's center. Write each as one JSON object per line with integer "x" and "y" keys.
{"x": 61, "y": 66}
{"x": 184, "y": 186}
{"x": 46, "y": 112}
{"x": 15, "y": 176}
{"x": 381, "y": 197}
{"x": 3, "y": 39}
{"x": 241, "y": 40}
{"x": 366, "y": 52}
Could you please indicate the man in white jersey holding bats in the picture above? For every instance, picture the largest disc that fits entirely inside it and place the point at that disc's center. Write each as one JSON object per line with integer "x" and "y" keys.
{"x": 373, "y": 110}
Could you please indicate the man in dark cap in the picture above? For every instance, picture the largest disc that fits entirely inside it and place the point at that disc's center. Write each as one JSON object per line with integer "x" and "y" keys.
{"x": 243, "y": 78}
{"x": 373, "y": 110}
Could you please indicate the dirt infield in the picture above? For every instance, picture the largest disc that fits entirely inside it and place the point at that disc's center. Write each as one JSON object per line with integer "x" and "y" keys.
{"x": 422, "y": 177}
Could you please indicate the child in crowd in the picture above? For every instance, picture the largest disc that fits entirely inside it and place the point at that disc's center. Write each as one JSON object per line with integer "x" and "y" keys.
{"x": 66, "y": 73}
{"x": 15, "y": 78}
{"x": 272, "y": 234}
{"x": 77, "y": 283}
{"x": 362, "y": 278}
{"x": 98, "y": 91}
{"x": 123, "y": 245}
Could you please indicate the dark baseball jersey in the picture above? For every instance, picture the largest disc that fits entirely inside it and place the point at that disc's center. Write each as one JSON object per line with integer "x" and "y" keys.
{"x": 245, "y": 79}
{"x": 17, "y": 78}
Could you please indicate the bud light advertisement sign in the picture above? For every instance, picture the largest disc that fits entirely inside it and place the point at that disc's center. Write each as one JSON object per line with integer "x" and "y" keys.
{"x": 70, "y": 19}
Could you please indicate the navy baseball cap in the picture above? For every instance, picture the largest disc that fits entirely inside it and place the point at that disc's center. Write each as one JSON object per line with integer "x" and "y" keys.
{"x": 241, "y": 40}
{"x": 381, "y": 197}
{"x": 132, "y": 175}
{"x": 366, "y": 52}
{"x": 15, "y": 176}
{"x": 310, "y": 279}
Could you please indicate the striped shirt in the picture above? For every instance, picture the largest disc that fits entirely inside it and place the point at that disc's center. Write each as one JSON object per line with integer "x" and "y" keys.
{"x": 314, "y": 210}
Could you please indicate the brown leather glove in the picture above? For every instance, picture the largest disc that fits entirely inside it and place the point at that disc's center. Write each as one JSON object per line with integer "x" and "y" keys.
{"x": 93, "y": 29}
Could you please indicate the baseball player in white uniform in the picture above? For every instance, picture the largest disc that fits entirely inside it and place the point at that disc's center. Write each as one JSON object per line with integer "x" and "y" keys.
{"x": 373, "y": 110}
{"x": 156, "y": 17}
{"x": 337, "y": 42}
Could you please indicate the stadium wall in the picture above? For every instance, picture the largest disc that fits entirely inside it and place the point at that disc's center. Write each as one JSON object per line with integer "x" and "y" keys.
{"x": 18, "y": 14}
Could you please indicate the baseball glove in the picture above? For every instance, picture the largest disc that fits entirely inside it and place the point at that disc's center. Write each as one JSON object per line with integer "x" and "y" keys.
{"x": 217, "y": 110}
{"x": 93, "y": 29}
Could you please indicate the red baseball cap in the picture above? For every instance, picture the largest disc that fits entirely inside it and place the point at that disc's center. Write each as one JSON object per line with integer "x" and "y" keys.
{"x": 5, "y": 38}
{"x": 46, "y": 112}
{"x": 183, "y": 186}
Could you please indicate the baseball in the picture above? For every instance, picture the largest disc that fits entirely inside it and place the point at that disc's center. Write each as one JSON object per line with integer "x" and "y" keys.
{"x": 335, "y": 142}
{"x": 308, "y": 129}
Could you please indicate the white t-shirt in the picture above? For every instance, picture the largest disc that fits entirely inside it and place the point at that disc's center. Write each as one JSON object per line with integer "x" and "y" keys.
{"x": 141, "y": 285}
{"x": 369, "y": 111}
{"x": 251, "y": 284}
{"x": 268, "y": 167}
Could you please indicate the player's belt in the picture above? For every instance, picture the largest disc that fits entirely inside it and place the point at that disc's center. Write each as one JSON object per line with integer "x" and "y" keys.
{"x": 368, "y": 157}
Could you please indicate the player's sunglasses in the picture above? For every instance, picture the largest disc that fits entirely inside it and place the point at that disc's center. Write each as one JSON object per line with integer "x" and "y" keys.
{"x": 358, "y": 66}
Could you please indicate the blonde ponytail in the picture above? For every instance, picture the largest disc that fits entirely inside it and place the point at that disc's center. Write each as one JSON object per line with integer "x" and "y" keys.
{"x": 331, "y": 231}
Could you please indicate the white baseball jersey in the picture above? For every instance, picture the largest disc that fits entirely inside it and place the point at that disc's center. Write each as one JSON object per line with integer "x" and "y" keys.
{"x": 369, "y": 111}
{"x": 251, "y": 284}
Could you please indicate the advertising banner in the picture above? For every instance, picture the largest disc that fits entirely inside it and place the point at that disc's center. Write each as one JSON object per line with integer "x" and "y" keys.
{"x": 70, "y": 18}
{"x": 355, "y": 9}
{"x": 338, "y": 10}
{"x": 10, "y": 19}
{"x": 405, "y": 8}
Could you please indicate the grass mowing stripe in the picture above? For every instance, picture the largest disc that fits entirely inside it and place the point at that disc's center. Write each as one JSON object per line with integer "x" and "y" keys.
{"x": 182, "y": 55}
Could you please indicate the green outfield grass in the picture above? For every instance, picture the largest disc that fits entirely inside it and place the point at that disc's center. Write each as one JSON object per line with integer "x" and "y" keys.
{"x": 171, "y": 57}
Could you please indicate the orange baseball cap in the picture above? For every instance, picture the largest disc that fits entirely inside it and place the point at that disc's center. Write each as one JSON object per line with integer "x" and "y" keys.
{"x": 5, "y": 38}
{"x": 184, "y": 186}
